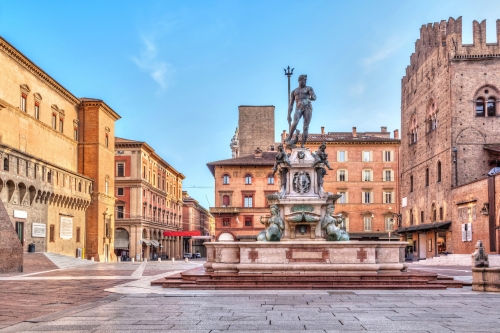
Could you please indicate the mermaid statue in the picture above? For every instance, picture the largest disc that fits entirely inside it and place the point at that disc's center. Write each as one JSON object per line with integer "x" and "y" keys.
{"x": 275, "y": 226}
{"x": 330, "y": 224}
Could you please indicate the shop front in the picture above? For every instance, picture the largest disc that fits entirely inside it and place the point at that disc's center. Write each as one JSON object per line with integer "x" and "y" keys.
{"x": 425, "y": 240}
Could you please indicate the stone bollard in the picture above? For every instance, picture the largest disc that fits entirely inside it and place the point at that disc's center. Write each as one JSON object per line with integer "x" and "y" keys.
{"x": 145, "y": 260}
{"x": 186, "y": 259}
{"x": 159, "y": 259}
{"x": 173, "y": 259}
{"x": 119, "y": 259}
{"x": 92, "y": 259}
{"x": 132, "y": 260}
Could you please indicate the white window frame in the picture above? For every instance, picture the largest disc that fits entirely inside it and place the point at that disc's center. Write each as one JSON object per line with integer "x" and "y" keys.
{"x": 248, "y": 202}
{"x": 118, "y": 191}
{"x": 391, "y": 196}
{"x": 367, "y": 195}
{"x": 367, "y": 156}
{"x": 342, "y": 173}
{"x": 369, "y": 173}
{"x": 388, "y": 156}
{"x": 388, "y": 222}
{"x": 224, "y": 178}
{"x": 118, "y": 169}
{"x": 367, "y": 223}
{"x": 341, "y": 156}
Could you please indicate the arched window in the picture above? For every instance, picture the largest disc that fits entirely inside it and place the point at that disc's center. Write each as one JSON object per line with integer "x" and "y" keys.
{"x": 480, "y": 107}
{"x": 225, "y": 179}
{"x": 491, "y": 107}
{"x": 270, "y": 180}
{"x": 225, "y": 201}
{"x": 439, "y": 172}
{"x": 426, "y": 177}
{"x": 49, "y": 177}
{"x": 248, "y": 180}
{"x": 6, "y": 164}
{"x": 411, "y": 184}
{"x": 413, "y": 130}
{"x": 411, "y": 216}
{"x": 79, "y": 187}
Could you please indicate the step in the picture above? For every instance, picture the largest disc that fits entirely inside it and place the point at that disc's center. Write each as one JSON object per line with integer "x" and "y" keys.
{"x": 449, "y": 284}
{"x": 310, "y": 287}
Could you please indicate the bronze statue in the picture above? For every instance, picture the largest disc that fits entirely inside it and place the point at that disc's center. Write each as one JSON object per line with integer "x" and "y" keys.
{"x": 281, "y": 157}
{"x": 303, "y": 95}
{"x": 275, "y": 226}
{"x": 330, "y": 224}
{"x": 321, "y": 157}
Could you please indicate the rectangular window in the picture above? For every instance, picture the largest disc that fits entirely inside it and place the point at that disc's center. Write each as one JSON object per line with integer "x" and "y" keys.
{"x": 120, "y": 191}
{"x": 121, "y": 170}
{"x": 226, "y": 222}
{"x": 388, "y": 223}
{"x": 388, "y": 176}
{"x": 367, "y": 175}
{"x": 52, "y": 233}
{"x": 106, "y": 187}
{"x": 248, "y": 222}
{"x": 367, "y": 197}
{"x": 343, "y": 198}
{"x": 37, "y": 110}
{"x": 106, "y": 141}
{"x": 78, "y": 234}
{"x": 387, "y": 156}
{"x": 366, "y": 156}
{"x": 367, "y": 222}
{"x": 341, "y": 175}
{"x": 248, "y": 202}
{"x": 441, "y": 213}
{"x": 341, "y": 155}
{"x": 61, "y": 124}
{"x": 387, "y": 197}
{"x": 422, "y": 216}
{"x": 54, "y": 121}
{"x": 119, "y": 212}
{"x": 23, "y": 102}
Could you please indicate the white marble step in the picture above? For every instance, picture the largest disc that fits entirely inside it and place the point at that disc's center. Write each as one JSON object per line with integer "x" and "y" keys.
{"x": 457, "y": 260}
{"x": 63, "y": 261}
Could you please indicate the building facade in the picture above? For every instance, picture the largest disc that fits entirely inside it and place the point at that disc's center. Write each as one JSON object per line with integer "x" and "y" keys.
{"x": 149, "y": 202}
{"x": 196, "y": 219}
{"x": 449, "y": 114}
{"x": 365, "y": 168}
{"x": 51, "y": 180}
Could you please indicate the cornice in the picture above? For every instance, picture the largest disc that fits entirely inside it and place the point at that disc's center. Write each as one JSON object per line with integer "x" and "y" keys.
{"x": 20, "y": 58}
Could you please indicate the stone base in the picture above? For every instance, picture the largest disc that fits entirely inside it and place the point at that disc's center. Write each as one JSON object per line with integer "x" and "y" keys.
{"x": 304, "y": 257}
{"x": 11, "y": 250}
{"x": 486, "y": 279}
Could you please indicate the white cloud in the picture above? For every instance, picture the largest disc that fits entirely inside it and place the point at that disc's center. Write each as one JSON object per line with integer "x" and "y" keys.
{"x": 357, "y": 89}
{"x": 160, "y": 71}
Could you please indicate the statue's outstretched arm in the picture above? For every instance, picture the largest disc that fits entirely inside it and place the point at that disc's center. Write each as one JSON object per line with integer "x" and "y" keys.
{"x": 312, "y": 95}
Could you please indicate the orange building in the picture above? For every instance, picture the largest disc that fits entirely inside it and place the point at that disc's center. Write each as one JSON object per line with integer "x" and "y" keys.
{"x": 365, "y": 174}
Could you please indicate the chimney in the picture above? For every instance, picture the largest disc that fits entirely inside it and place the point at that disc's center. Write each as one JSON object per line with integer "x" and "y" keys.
{"x": 396, "y": 134}
{"x": 383, "y": 128}
{"x": 322, "y": 130}
{"x": 354, "y": 134}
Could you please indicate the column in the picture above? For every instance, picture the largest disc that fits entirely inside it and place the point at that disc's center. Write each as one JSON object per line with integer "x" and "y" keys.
{"x": 171, "y": 247}
{"x": 179, "y": 246}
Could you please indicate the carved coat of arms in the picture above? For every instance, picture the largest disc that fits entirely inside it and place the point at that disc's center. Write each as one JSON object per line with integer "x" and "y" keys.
{"x": 301, "y": 182}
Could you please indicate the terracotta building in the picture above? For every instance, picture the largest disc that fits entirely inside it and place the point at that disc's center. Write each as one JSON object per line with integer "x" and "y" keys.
{"x": 365, "y": 168}
{"x": 56, "y": 161}
{"x": 149, "y": 202}
{"x": 198, "y": 221}
{"x": 449, "y": 114}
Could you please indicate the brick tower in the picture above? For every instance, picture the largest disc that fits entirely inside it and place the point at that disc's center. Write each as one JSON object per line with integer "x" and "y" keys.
{"x": 256, "y": 128}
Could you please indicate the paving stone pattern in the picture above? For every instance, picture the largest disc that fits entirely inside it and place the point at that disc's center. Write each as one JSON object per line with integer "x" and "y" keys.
{"x": 430, "y": 311}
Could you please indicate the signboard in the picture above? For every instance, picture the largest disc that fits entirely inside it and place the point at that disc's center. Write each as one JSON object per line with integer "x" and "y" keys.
{"x": 66, "y": 228}
{"x": 469, "y": 232}
{"x": 20, "y": 214}
{"x": 404, "y": 202}
{"x": 38, "y": 230}
{"x": 464, "y": 232}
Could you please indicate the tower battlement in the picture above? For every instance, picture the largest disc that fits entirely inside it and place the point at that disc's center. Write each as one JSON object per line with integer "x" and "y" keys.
{"x": 445, "y": 38}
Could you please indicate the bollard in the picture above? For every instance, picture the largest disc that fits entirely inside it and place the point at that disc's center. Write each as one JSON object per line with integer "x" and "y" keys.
{"x": 132, "y": 260}
{"x": 173, "y": 259}
{"x": 159, "y": 259}
{"x": 145, "y": 259}
{"x": 119, "y": 259}
{"x": 186, "y": 260}
{"x": 92, "y": 259}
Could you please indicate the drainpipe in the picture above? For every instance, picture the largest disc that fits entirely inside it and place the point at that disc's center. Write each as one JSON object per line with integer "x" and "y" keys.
{"x": 455, "y": 150}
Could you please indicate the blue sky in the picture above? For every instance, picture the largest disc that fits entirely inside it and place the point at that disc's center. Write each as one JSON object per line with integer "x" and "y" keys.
{"x": 176, "y": 71}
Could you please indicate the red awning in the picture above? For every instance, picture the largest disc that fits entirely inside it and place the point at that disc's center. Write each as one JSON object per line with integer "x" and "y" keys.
{"x": 182, "y": 233}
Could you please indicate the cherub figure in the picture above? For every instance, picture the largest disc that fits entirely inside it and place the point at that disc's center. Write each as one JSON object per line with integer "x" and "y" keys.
{"x": 330, "y": 224}
{"x": 275, "y": 228}
{"x": 281, "y": 157}
{"x": 321, "y": 157}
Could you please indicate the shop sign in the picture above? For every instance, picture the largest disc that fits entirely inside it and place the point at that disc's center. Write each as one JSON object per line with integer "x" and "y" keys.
{"x": 20, "y": 214}
{"x": 66, "y": 227}
{"x": 38, "y": 230}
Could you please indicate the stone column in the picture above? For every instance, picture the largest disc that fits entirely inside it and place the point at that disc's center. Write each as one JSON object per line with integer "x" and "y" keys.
{"x": 171, "y": 247}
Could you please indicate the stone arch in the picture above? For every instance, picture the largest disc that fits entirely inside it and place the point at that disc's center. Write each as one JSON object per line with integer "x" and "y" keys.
{"x": 32, "y": 194}
{"x": 144, "y": 234}
{"x": 226, "y": 236}
{"x": 1, "y": 185}
{"x": 470, "y": 135}
{"x": 22, "y": 192}
{"x": 11, "y": 188}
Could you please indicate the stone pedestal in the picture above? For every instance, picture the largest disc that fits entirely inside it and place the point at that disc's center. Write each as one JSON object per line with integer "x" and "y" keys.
{"x": 486, "y": 279}
{"x": 11, "y": 250}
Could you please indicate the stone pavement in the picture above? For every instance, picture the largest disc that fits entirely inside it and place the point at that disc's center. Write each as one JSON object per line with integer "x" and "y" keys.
{"x": 118, "y": 297}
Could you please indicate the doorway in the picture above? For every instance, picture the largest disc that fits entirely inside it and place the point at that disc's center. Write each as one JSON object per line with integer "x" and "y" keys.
{"x": 422, "y": 246}
{"x": 20, "y": 231}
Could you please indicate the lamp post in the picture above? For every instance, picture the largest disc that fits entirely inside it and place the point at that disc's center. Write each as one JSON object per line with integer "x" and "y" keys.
{"x": 288, "y": 73}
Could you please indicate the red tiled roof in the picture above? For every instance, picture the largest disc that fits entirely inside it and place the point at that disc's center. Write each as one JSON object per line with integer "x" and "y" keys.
{"x": 268, "y": 158}
{"x": 346, "y": 137}
{"x": 117, "y": 140}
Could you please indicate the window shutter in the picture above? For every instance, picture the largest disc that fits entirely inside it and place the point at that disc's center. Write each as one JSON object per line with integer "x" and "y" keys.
{"x": 345, "y": 156}
{"x": 363, "y": 197}
{"x": 371, "y": 198}
{"x": 371, "y": 156}
{"x": 383, "y": 198}
{"x": 362, "y": 156}
{"x": 347, "y": 224}
{"x": 383, "y": 156}
{"x": 392, "y": 175}
{"x": 338, "y": 174}
{"x": 346, "y": 197}
{"x": 338, "y": 156}
{"x": 346, "y": 176}
{"x": 383, "y": 176}
{"x": 392, "y": 155}
{"x": 371, "y": 175}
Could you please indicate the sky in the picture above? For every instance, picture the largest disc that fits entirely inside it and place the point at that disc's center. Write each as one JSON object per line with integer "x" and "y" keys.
{"x": 176, "y": 71}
